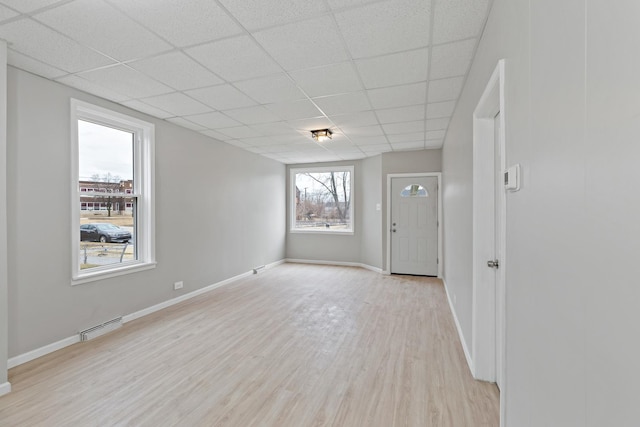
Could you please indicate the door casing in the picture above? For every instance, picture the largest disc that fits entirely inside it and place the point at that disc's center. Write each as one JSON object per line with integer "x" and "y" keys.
{"x": 388, "y": 229}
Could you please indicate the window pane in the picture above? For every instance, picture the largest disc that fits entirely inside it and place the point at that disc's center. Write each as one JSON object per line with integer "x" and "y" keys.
{"x": 105, "y": 165}
{"x": 414, "y": 190}
{"x": 107, "y": 239}
{"x": 323, "y": 201}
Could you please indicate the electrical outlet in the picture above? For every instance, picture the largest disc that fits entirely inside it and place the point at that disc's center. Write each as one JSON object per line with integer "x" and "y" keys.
{"x": 178, "y": 285}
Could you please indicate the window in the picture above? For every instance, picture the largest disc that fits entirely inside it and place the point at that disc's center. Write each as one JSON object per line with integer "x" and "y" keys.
{"x": 414, "y": 190}
{"x": 113, "y": 229}
{"x": 321, "y": 200}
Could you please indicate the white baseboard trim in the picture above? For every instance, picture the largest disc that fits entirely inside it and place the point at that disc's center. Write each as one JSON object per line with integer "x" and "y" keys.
{"x": 5, "y": 388}
{"x": 50, "y": 348}
{"x": 338, "y": 263}
{"x": 39, "y": 352}
{"x": 465, "y": 348}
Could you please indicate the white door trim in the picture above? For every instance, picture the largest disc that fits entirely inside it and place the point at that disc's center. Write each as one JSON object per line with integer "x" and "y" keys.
{"x": 484, "y": 306}
{"x": 388, "y": 229}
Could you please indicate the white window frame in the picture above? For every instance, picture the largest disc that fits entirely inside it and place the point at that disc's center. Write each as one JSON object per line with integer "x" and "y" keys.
{"x": 292, "y": 199}
{"x": 143, "y": 191}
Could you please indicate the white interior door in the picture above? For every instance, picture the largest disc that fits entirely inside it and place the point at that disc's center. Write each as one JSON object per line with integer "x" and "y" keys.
{"x": 414, "y": 225}
{"x": 499, "y": 199}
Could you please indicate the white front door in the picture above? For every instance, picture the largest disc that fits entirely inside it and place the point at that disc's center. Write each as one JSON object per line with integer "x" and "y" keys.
{"x": 414, "y": 225}
{"x": 498, "y": 249}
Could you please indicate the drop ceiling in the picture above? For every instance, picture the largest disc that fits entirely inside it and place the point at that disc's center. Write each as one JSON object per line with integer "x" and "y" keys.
{"x": 260, "y": 75}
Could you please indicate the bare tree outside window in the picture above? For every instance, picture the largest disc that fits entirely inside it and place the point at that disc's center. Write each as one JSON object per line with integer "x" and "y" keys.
{"x": 323, "y": 200}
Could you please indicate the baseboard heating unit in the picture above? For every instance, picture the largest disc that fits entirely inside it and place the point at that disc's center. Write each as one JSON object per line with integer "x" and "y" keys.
{"x": 96, "y": 331}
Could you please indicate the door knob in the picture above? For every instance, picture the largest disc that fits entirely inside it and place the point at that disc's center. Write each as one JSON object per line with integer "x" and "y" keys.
{"x": 493, "y": 263}
{"x": 393, "y": 229}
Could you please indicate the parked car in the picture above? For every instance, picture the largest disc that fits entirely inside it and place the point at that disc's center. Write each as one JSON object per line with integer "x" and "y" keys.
{"x": 104, "y": 232}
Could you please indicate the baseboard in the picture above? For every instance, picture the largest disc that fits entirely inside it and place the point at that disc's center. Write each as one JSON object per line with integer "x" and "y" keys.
{"x": 50, "y": 348}
{"x": 5, "y": 388}
{"x": 465, "y": 348}
{"x": 338, "y": 263}
{"x": 39, "y": 352}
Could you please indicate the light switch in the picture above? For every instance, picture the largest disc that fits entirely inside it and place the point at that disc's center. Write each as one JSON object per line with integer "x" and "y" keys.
{"x": 378, "y": 207}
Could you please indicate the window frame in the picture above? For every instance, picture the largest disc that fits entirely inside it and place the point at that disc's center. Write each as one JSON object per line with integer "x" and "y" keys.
{"x": 292, "y": 199}
{"x": 143, "y": 191}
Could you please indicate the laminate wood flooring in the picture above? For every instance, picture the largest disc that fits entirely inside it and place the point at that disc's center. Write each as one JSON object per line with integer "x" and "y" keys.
{"x": 294, "y": 346}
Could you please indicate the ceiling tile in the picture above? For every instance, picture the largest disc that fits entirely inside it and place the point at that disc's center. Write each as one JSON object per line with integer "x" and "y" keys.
{"x": 214, "y": 120}
{"x": 93, "y": 88}
{"x": 340, "y": 4}
{"x": 177, "y": 70}
{"x": 308, "y": 125}
{"x": 206, "y": 20}
{"x": 352, "y": 156}
{"x": 375, "y": 148}
{"x": 26, "y": 6}
{"x": 6, "y": 13}
{"x": 270, "y": 129}
{"x": 406, "y": 137}
{"x": 222, "y": 97}
{"x": 398, "y": 96}
{"x": 252, "y": 115}
{"x": 437, "y": 124}
{"x": 363, "y": 118}
{"x": 458, "y": 19}
{"x": 177, "y": 103}
{"x": 221, "y": 137}
{"x": 330, "y": 80}
{"x": 304, "y": 44}
{"x": 147, "y": 109}
{"x": 368, "y": 140}
{"x": 96, "y": 24}
{"x": 234, "y": 142}
{"x": 239, "y": 132}
{"x": 403, "y": 114}
{"x": 364, "y": 131}
{"x": 395, "y": 69}
{"x": 343, "y": 104}
{"x": 123, "y": 79}
{"x": 243, "y": 59}
{"x": 404, "y": 127}
{"x": 254, "y": 14}
{"x": 185, "y": 123}
{"x": 39, "y": 42}
{"x": 452, "y": 59}
{"x": 294, "y": 110}
{"x": 435, "y": 134}
{"x": 440, "y": 109}
{"x": 402, "y": 146}
{"x": 445, "y": 89}
{"x": 385, "y": 27}
{"x": 274, "y": 140}
{"x": 433, "y": 144}
{"x": 23, "y": 62}
{"x": 271, "y": 89}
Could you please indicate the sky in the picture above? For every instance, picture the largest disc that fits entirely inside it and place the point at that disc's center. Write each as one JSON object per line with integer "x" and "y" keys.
{"x": 104, "y": 150}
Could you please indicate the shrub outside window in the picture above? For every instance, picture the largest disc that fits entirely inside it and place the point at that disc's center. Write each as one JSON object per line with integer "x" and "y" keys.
{"x": 321, "y": 200}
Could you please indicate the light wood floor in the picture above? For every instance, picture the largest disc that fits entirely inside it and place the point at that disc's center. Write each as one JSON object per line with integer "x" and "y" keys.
{"x": 297, "y": 345}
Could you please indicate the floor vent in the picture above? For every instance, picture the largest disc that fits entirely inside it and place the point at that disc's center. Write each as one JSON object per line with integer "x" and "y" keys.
{"x": 96, "y": 331}
{"x": 258, "y": 269}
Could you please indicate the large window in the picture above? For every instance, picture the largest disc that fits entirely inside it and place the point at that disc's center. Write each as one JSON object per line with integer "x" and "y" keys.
{"x": 112, "y": 193}
{"x": 321, "y": 200}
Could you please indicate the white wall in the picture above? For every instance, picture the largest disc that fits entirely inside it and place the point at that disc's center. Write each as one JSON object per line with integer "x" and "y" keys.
{"x": 371, "y": 237}
{"x": 219, "y": 212}
{"x": 573, "y": 236}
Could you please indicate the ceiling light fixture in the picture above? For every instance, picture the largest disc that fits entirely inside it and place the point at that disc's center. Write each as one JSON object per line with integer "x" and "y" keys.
{"x": 321, "y": 135}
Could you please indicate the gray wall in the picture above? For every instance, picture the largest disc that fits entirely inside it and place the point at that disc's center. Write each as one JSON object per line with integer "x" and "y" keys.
{"x": 572, "y": 108}
{"x": 371, "y": 237}
{"x": 404, "y": 162}
{"x": 4, "y": 316}
{"x": 219, "y": 212}
{"x": 328, "y": 247}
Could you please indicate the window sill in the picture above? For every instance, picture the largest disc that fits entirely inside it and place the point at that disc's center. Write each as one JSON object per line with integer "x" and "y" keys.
{"x": 112, "y": 272}
{"x": 334, "y": 232}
